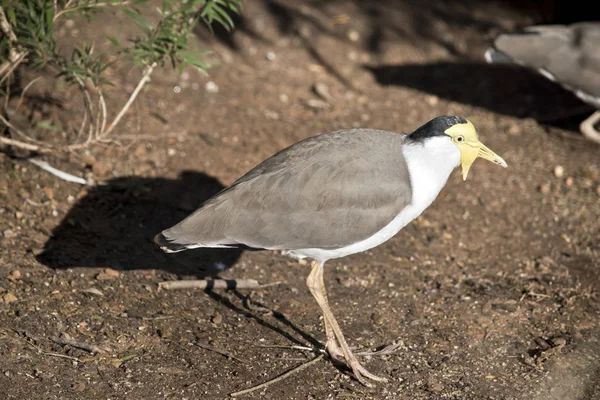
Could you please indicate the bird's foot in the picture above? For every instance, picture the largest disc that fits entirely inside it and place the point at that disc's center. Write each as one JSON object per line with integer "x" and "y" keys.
{"x": 334, "y": 350}
{"x": 361, "y": 372}
{"x": 588, "y": 127}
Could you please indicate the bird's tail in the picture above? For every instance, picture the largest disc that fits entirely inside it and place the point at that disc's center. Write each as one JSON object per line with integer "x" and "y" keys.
{"x": 169, "y": 246}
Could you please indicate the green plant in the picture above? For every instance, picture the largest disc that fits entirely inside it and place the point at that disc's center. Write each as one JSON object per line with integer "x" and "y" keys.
{"x": 27, "y": 28}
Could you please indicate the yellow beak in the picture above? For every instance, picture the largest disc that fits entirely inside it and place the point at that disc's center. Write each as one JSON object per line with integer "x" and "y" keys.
{"x": 469, "y": 152}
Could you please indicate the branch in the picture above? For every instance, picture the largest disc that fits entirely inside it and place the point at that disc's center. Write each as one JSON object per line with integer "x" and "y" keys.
{"x": 14, "y": 55}
{"x": 140, "y": 85}
{"x": 210, "y": 284}
{"x": 97, "y": 5}
{"x": 24, "y": 146}
{"x": 18, "y": 132}
{"x": 279, "y": 378}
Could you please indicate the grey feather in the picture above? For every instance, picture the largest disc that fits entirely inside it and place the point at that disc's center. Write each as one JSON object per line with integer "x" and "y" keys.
{"x": 327, "y": 191}
{"x": 567, "y": 54}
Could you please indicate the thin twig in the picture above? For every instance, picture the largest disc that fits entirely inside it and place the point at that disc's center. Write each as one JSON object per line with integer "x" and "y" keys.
{"x": 140, "y": 85}
{"x": 56, "y": 172}
{"x": 210, "y": 284}
{"x": 68, "y": 341}
{"x": 61, "y": 356}
{"x": 87, "y": 100}
{"x": 219, "y": 351}
{"x": 11, "y": 66}
{"x": 14, "y": 54}
{"x": 103, "y": 107}
{"x": 18, "y": 131}
{"x": 97, "y": 5}
{"x": 279, "y": 378}
{"x": 25, "y": 90}
{"x": 24, "y": 146}
{"x": 294, "y": 347}
{"x": 387, "y": 350}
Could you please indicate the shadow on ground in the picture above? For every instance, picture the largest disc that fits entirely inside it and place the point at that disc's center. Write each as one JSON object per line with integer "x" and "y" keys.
{"x": 503, "y": 89}
{"x": 113, "y": 226}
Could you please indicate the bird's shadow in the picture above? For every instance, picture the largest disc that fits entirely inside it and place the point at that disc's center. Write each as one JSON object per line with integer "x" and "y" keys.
{"x": 113, "y": 226}
{"x": 505, "y": 89}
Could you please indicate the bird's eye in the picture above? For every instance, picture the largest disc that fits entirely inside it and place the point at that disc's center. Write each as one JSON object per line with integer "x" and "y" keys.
{"x": 459, "y": 139}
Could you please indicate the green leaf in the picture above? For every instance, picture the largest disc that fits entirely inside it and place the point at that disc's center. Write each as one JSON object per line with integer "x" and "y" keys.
{"x": 140, "y": 21}
{"x": 114, "y": 41}
{"x": 47, "y": 125}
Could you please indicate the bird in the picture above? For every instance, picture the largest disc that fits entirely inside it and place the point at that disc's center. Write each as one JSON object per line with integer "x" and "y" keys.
{"x": 332, "y": 195}
{"x": 565, "y": 54}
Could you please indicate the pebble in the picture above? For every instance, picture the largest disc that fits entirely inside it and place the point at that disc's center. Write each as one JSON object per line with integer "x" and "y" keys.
{"x": 211, "y": 87}
{"x": 353, "y": 35}
{"x": 317, "y": 104}
{"x": 217, "y": 318}
{"x": 270, "y": 56}
{"x": 14, "y": 275}
{"x": 9, "y": 298}
{"x": 514, "y": 130}
{"x": 569, "y": 181}
{"x": 322, "y": 90}
{"x": 9, "y": 233}
{"x": 559, "y": 171}
{"x": 111, "y": 272}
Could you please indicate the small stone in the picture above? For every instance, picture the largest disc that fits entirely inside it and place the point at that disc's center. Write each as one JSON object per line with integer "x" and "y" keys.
{"x": 284, "y": 98}
{"x": 14, "y": 275}
{"x": 49, "y": 193}
{"x": 217, "y": 318}
{"x": 433, "y": 100}
{"x": 270, "y": 56}
{"x": 514, "y": 130}
{"x": 9, "y": 298}
{"x": 559, "y": 171}
{"x": 211, "y": 87}
{"x": 171, "y": 152}
{"x": 19, "y": 215}
{"x": 95, "y": 291}
{"x": 270, "y": 114}
{"x": 569, "y": 181}
{"x": 598, "y": 190}
{"x": 102, "y": 276}
{"x": 317, "y": 104}
{"x": 111, "y": 272}
{"x": 322, "y": 90}
{"x": 9, "y": 233}
{"x": 353, "y": 35}
{"x": 545, "y": 188}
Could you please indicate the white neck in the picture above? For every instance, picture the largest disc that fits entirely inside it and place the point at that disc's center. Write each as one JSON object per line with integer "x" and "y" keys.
{"x": 430, "y": 164}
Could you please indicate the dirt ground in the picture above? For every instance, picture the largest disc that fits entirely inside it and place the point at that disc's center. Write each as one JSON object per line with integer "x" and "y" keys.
{"x": 491, "y": 294}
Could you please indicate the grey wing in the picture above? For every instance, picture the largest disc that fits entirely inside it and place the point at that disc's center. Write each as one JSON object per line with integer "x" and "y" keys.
{"x": 567, "y": 54}
{"x": 328, "y": 191}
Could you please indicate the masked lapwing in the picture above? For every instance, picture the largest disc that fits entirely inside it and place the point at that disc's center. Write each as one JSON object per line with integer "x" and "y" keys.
{"x": 333, "y": 195}
{"x": 566, "y": 54}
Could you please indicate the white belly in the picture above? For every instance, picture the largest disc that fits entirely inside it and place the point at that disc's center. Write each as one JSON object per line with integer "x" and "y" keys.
{"x": 429, "y": 172}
